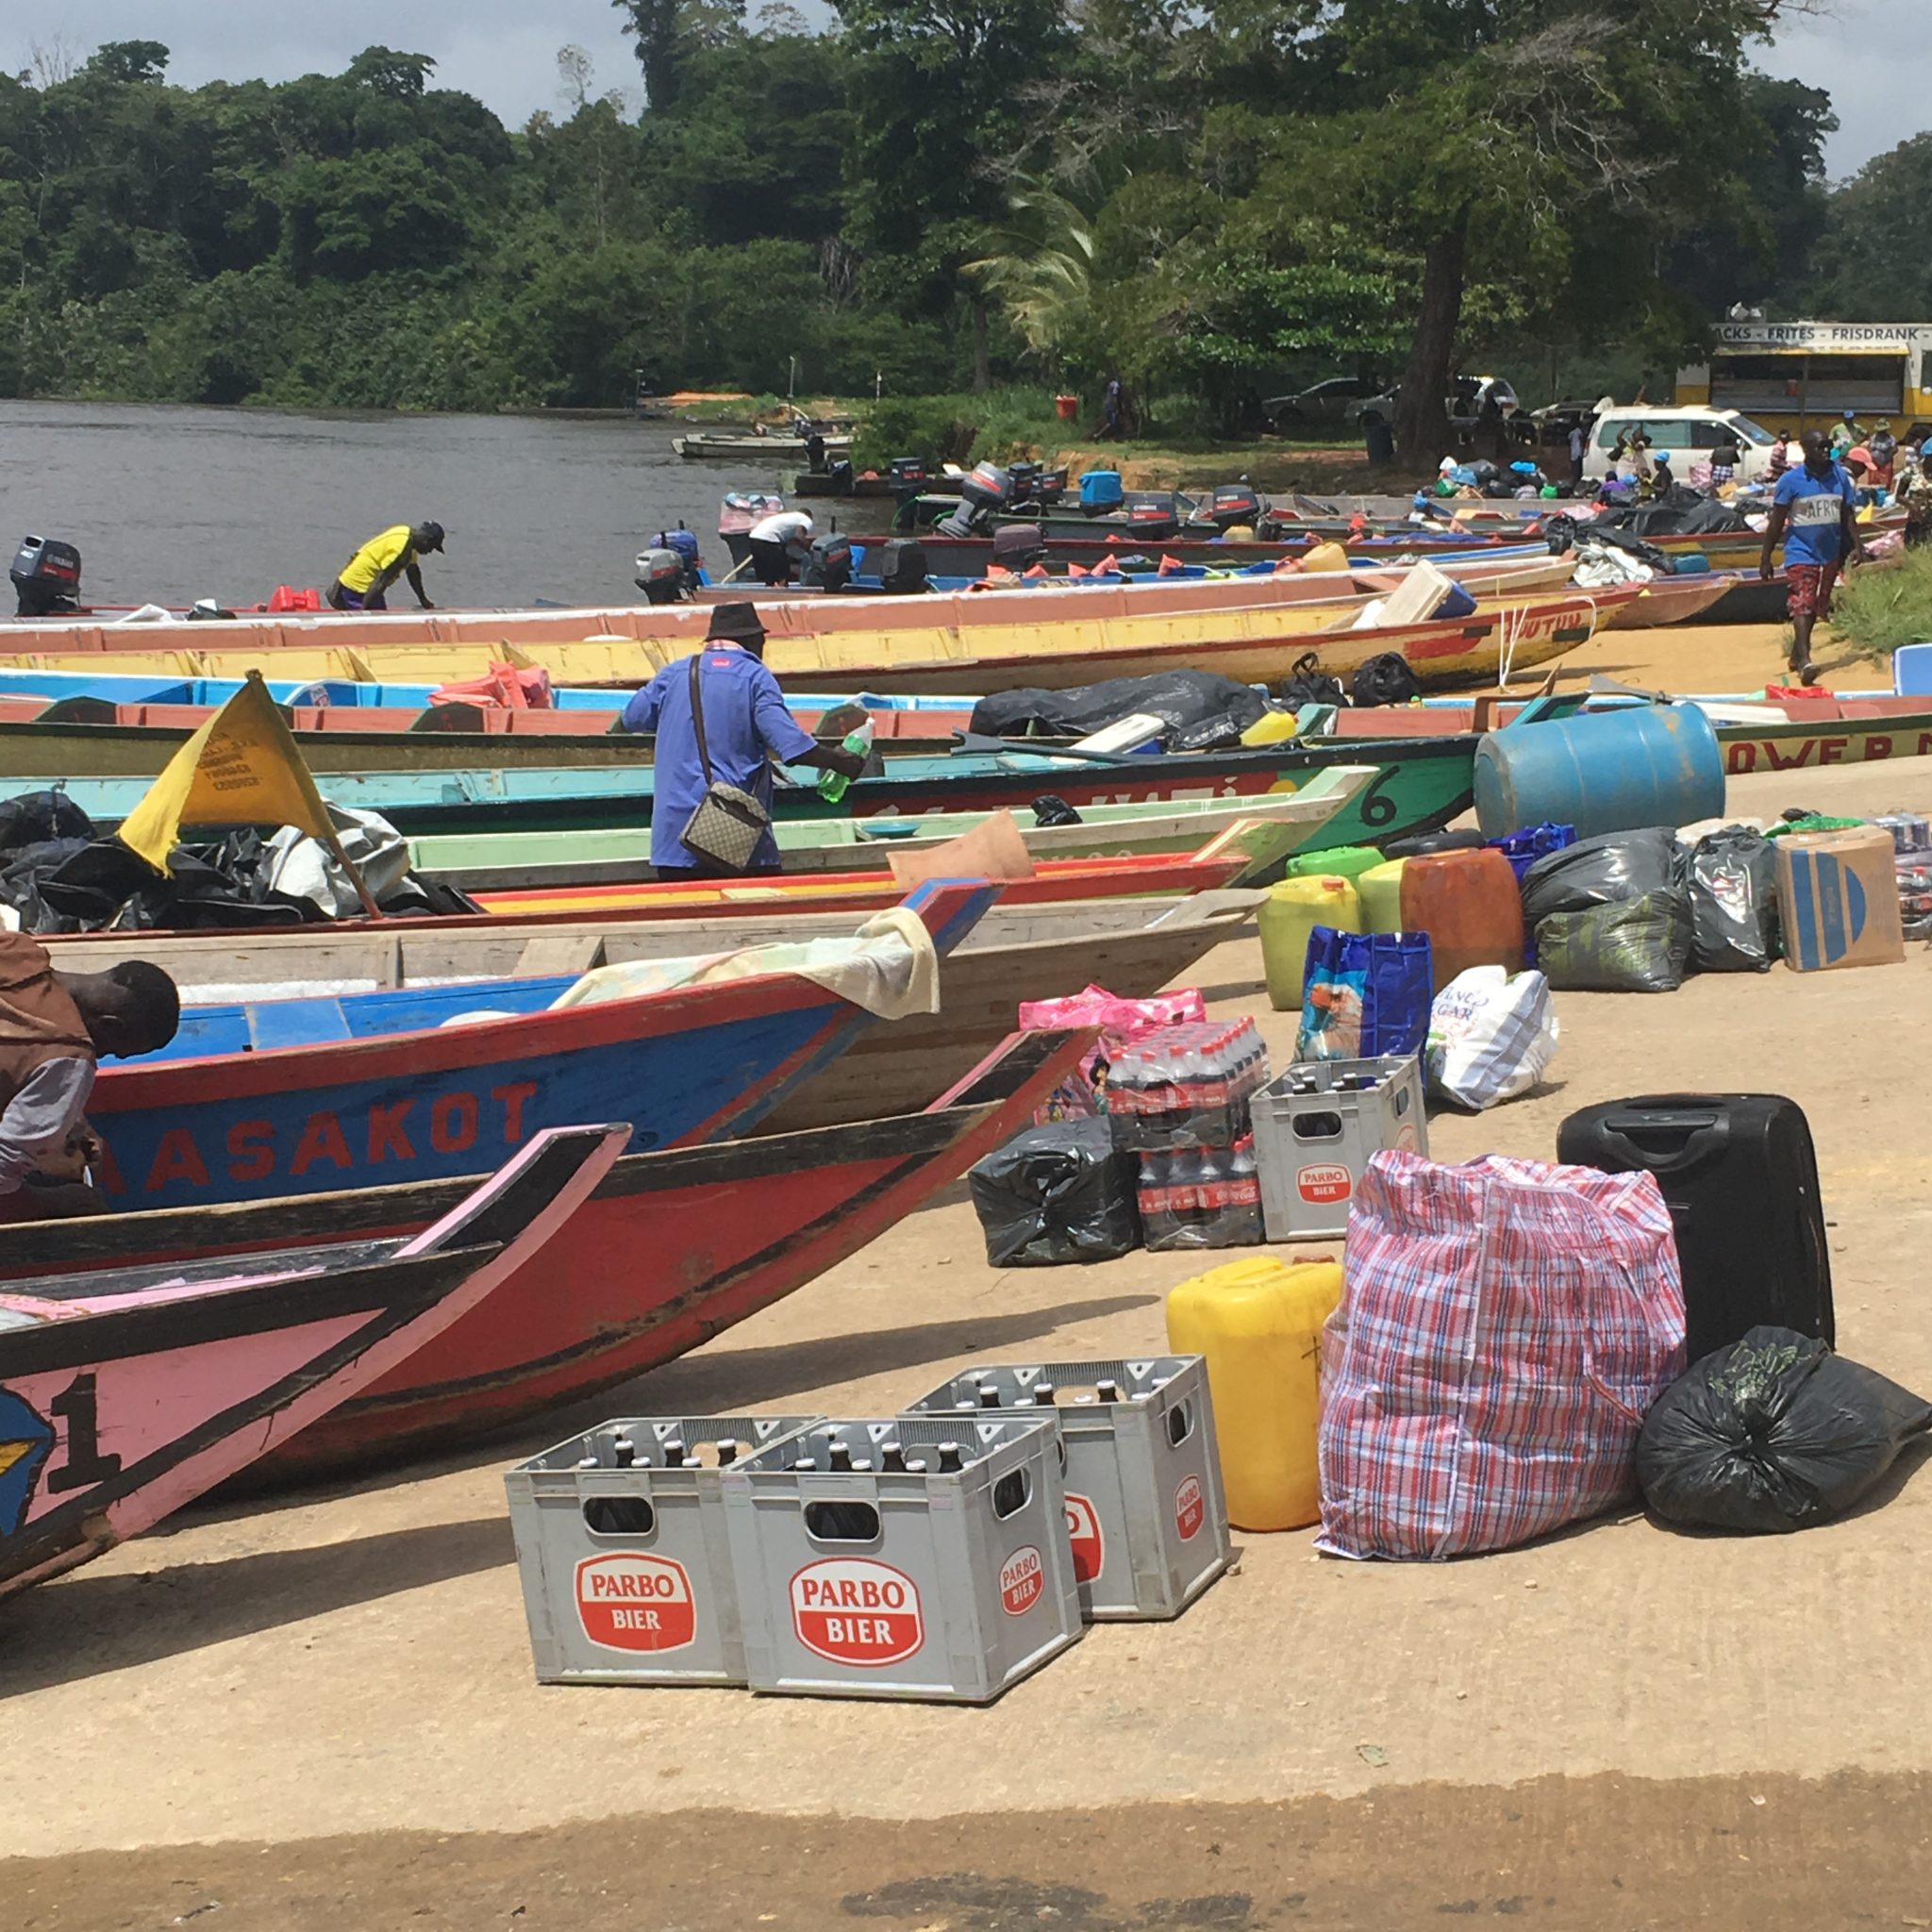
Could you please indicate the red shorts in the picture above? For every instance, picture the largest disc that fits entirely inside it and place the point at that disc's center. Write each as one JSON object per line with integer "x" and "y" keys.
{"x": 1810, "y": 589}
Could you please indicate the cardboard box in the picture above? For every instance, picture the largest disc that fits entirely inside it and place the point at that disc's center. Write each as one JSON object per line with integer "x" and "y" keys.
{"x": 1838, "y": 900}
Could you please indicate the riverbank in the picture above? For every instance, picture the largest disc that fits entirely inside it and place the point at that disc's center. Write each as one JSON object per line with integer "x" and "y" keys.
{"x": 322, "y": 1714}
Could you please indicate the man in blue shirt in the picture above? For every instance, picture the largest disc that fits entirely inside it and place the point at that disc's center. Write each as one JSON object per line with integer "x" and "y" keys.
{"x": 1812, "y": 514}
{"x": 746, "y": 726}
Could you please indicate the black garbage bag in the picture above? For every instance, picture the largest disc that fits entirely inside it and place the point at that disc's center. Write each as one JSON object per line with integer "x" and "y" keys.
{"x": 1606, "y": 870}
{"x": 1385, "y": 680}
{"x": 1210, "y": 734}
{"x": 1733, "y": 882}
{"x": 1050, "y": 808}
{"x": 1639, "y": 945}
{"x": 1058, "y": 1192}
{"x": 37, "y": 817}
{"x": 1773, "y": 1433}
{"x": 1177, "y": 698}
{"x": 1306, "y": 683}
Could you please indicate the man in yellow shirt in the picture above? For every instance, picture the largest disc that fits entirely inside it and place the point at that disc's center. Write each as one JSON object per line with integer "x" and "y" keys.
{"x": 379, "y": 562}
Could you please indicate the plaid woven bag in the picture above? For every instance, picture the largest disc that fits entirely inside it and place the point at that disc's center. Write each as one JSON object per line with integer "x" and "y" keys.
{"x": 1504, "y": 1326}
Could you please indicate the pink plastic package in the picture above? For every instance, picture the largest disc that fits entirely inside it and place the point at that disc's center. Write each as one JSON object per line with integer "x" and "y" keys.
{"x": 1122, "y": 1021}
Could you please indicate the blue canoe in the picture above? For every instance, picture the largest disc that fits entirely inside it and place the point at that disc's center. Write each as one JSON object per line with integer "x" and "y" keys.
{"x": 299, "y": 1096}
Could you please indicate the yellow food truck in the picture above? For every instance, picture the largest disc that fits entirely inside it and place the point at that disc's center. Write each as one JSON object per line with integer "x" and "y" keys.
{"x": 1790, "y": 374}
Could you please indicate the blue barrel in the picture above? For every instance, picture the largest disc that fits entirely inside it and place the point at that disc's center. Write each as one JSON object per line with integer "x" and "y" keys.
{"x": 1601, "y": 772}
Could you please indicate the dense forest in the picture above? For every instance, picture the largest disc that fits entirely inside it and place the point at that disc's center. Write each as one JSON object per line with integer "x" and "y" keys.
{"x": 941, "y": 194}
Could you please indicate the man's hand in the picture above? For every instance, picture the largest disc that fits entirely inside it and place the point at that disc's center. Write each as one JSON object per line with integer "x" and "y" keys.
{"x": 1765, "y": 569}
{"x": 848, "y": 764}
{"x": 1861, "y": 555}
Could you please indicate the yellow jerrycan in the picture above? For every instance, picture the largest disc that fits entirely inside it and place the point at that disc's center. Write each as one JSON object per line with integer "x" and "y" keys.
{"x": 1258, "y": 1324}
{"x": 1379, "y": 890}
{"x": 1293, "y": 910}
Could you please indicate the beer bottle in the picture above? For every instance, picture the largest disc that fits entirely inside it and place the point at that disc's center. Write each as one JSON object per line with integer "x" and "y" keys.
{"x": 1043, "y": 1394}
{"x": 625, "y": 1451}
{"x": 728, "y": 1451}
{"x": 1108, "y": 1392}
{"x": 951, "y": 1463}
{"x": 674, "y": 1452}
{"x": 989, "y": 1395}
{"x": 892, "y": 1457}
{"x": 839, "y": 1457}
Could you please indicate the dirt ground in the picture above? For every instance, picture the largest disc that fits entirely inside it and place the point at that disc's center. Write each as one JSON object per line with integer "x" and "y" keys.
{"x": 322, "y": 1714}
{"x": 1712, "y": 658}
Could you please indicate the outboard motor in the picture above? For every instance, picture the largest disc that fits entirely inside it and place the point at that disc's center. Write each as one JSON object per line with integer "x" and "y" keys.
{"x": 660, "y": 576}
{"x": 1231, "y": 504}
{"x": 1049, "y": 486}
{"x": 682, "y": 544}
{"x": 828, "y": 563}
{"x": 902, "y": 568}
{"x": 1153, "y": 513}
{"x": 46, "y": 576}
{"x": 987, "y": 487}
{"x": 1018, "y": 547}
{"x": 1101, "y": 495}
{"x": 907, "y": 470}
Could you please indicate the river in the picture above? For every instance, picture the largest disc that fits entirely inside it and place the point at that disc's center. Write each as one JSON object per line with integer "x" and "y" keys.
{"x": 171, "y": 503}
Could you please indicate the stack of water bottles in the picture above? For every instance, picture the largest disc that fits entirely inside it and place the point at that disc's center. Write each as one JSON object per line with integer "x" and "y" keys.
{"x": 1912, "y": 840}
{"x": 1180, "y": 1100}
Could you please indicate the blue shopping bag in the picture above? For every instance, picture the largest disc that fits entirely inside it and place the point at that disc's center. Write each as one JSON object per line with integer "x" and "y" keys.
{"x": 1364, "y": 994}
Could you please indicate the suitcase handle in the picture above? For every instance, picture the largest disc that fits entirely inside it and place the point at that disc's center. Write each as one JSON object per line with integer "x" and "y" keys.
{"x": 1662, "y": 1145}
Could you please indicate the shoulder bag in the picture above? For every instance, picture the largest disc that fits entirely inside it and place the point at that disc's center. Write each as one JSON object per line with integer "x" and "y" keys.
{"x": 728, "y": 822}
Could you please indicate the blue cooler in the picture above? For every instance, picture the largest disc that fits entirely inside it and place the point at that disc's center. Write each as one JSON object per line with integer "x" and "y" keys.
{"x": 1101, "y": 490}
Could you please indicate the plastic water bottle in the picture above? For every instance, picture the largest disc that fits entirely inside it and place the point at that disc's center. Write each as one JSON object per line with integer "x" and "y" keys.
{"x": 832, "y": 785}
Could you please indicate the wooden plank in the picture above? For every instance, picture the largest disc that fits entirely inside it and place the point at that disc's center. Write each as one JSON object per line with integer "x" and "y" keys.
{"x": 566, "y": 952}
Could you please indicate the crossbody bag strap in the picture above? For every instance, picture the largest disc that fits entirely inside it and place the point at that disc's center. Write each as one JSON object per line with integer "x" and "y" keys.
{"x": 697, "y": 716}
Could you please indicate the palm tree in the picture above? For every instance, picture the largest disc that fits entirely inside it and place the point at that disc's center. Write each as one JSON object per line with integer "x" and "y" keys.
{"x": 1038, "y": 266}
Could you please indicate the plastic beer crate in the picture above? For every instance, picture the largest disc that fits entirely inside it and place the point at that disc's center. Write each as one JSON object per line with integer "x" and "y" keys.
{"x": 1144, "y": 1511}
{"x": 937, "y": 1582}
{"x": 1316, "y": 1127}
{"x": 626, "y": 1569}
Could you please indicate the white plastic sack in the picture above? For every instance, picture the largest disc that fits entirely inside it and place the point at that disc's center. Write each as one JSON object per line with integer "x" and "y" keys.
{"x": 1601, "y": 566}
{"x": 1492, "y": 1034}
{"x": 306, "y": 869}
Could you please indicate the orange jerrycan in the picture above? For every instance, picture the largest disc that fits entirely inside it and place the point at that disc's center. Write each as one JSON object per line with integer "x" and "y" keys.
{"x": 1470, "y": 905}
{"x": 1258, "y": 1324}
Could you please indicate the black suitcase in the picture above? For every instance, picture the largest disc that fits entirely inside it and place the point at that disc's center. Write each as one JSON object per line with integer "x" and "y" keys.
{"x": 1740, "y": 1175}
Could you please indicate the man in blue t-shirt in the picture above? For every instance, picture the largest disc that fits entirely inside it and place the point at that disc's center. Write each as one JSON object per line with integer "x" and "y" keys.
{"x": 1811, "y": 515}
{"x": 746, "y": 726}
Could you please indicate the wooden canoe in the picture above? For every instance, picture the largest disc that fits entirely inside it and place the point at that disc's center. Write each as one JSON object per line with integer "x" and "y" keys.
{"x": 1266, "y": 828}
{"x": 1134, "y": 948}
{"x": 128, "y": 1390}
{"x": 1253, "y": 645}
{"x": 1407, "y": 788}
{"x": 297, "y": 1096}
{"x": 672, "y": 1249}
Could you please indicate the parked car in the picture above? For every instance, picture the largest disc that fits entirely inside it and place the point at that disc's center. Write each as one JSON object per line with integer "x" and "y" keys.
{"x": 1556, "y": 420}
{"x": 1687, "y": 433}
{"x": 1463, "y": 405}
{"x": 1336, "y": 400}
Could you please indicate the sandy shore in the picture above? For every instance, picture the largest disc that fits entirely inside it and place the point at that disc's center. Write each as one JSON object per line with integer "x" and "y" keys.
{"x": 322, "y": 1714}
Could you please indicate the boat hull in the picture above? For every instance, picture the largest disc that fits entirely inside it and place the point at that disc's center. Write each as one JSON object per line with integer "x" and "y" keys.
{"x": 671, "y": 1250}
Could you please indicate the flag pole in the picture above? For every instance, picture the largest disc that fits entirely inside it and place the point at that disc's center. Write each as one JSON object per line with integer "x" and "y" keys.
{"x": 355, "y": 879}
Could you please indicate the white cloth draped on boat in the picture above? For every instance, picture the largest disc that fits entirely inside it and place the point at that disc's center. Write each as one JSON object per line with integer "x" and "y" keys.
{"x": 890, "y": 967}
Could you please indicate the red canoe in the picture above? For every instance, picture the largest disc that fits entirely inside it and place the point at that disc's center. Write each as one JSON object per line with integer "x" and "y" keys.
{"x": 672, "y": 1249}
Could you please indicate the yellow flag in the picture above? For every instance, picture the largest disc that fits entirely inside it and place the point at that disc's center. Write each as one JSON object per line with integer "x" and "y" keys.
{"x": 242, "y": 768}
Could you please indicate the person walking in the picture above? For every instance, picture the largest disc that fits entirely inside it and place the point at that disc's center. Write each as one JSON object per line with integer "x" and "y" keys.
{"x": 1812, "y": 514}
{"x": 54, "y": 1029}
{"x": 719, "y": 718}
{"x": 1579, "y": 438}
{"x": 390, "y": 554}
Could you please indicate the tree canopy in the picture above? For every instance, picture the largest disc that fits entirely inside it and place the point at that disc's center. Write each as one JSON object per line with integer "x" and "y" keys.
{"x": 936, "y": 192}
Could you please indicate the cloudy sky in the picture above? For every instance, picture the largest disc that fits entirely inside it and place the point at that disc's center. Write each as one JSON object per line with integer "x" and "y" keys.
{"x": 504, "y": 52}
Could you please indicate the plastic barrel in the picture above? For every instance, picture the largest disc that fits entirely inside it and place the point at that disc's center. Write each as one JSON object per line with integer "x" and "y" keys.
{"x": 1601, "y": 772}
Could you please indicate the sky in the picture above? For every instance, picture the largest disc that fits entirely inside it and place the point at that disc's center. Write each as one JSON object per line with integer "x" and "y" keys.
{"x": 1865, "y": 51}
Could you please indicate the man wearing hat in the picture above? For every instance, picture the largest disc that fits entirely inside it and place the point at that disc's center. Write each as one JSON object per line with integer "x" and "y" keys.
{"x": 745, "y": 726}
{"x": 386, "y": 557}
